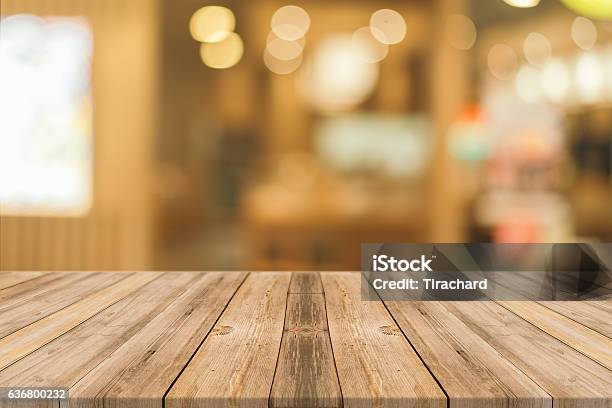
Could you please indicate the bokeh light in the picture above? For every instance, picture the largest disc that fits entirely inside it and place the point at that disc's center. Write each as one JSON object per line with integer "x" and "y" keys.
{"x": 527, "y": 84}
{"x": 290, "y": 23}
{"x": 584, "y": 33}
{"x": 223, "y": 54}
{"x": 334, "y": 78}
{"x": 212, "y": 24}
{"x": 537, "y": 49}
{"x": 522, "y": 3}
{"x": 460, "y": 32}
{"x": 502, "y": 61}
{"x": 608, "y": 71}
{"x": 555, "y": 81}
{"x": 280, "y": 66}
{"x": 283, "y": 49}
{"x": 388, "y": 26}
{"x": 589, "y": 77}
{"x": 367, "y": 47}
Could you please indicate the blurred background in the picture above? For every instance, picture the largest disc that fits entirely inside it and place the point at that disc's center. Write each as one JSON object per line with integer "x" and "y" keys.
{"x": 186, "y": 134}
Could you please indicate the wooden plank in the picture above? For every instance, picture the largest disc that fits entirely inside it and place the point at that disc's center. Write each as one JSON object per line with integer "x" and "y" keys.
{"x": 8, "y": 279}
{"x": 376, "y": 365}
{"x": 459, "y": 359}
{"x": 306, "y": 373}
{"x": 66, "y": 359}
{"x": 305, "y": 282}
{"x": 26, "y": 340}
{"x": 32, "y": 300}
{"x": 572, "y": 379}
{"x": 589, "y": 342}
{"x": 148, "y": 363}
{"x": 235, "y": 365}
{"x": 594, "y": 314}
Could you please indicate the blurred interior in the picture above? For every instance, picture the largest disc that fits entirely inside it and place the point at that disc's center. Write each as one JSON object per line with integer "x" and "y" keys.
{"x": 146, "y": 134}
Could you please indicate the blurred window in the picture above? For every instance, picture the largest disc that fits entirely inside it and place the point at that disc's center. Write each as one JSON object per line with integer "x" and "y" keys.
{"x": 392, "y": 146}
{"x": 45, "y": 115}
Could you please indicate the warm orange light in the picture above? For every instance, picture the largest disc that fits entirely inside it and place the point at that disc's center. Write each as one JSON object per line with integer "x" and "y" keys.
{"x": 223, "y": 54}
{"x": 212, "y": 24}
{"x": 388, "y": 26}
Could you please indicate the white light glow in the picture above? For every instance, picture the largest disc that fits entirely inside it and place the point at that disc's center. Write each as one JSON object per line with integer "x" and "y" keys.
{"x": 290, "y": 23}
{"x": 584, "y": 33}
{"x": 366, "y": 47}
{"x": 45, "y": 115}
{"x": 522, "y": 3}
{"x": 460, "y": 32}
{"x": 283, "y": 49}
{"x": 589, "y": 78}
{"x": 388, "y": 26}
{"x": 608, "y": 72}
{"x": 334, "y": 79}
{"x": 527, "y": 84}
{"x": 537, "y": 49}
{"x": 555, "y": 81}
{"x": 279, "y": 66}
{"x": 502, "y": 61}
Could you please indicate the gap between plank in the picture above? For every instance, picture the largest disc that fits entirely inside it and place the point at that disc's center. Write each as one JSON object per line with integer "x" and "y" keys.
{"x": 572, "y": 319}
{"x": 556, "y": 338}
{"x": 412, "y": 346}
{"x": 281, "y": 341}
{"x": 203, "y": 340}
{"x": 331, "y": 343}
{"x": 72, "y": 328}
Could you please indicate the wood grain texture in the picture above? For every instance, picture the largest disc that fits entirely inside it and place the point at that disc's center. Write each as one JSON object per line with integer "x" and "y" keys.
{"x": 26, "y": 340}
{"x": 459, "y": 359}
{"x": 197, "y": 339}
{"x": 305, "y": 282}
{"x": 571, "y": 378}
{"x": 595, "y": 314}
{"x": 306, "y": 373}
{"x": 376, "y": 366}
{"x": 8, "y": 279}
{"x": 68, "y": 358}
{"x": 143, "y": 368}
{"x": 235, "y": 364}
{"x": 34, "y": 299}
{"x": 589, "y": 342}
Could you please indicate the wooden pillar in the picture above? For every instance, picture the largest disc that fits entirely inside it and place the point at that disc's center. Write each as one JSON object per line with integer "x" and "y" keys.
{"x": 449, "y": 94}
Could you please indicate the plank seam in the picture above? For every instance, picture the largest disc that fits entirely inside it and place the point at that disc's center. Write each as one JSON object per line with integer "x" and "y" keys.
{"x": 203, "y": 340}
{"x": 411, "y": 345}
{"x": 27, "y": 280}
{"x": 542, "y": 387}
{"x": 331, "y": 343}
{"x": 68, "y": 305}
{"x": 574, "y": 320}
{"x": 281, "y": 342}
{"x": 556, "y": 338}
{"x": 110, "y": 384}
{"x": 86, "y": 320}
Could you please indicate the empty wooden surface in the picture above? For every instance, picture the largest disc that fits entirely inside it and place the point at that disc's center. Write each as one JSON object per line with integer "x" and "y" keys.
{"x": 459, "y": 359}
{"x": 306, "y": 373}
{"x": 224, "y": 339}
{"x": 236, "y": 363}
{"x": 376, "y": 365}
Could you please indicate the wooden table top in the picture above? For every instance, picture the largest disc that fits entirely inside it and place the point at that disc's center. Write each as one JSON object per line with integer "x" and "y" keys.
{"x": 234, "y": 339}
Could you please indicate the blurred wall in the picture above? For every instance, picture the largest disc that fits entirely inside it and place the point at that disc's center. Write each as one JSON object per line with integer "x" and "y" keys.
{"x": 117, "y": 232}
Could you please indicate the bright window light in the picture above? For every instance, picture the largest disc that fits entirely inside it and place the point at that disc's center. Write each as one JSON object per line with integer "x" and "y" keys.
{"x": 45, "y": 115}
